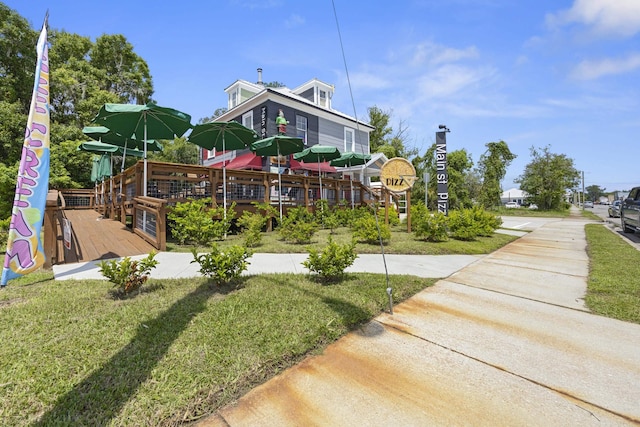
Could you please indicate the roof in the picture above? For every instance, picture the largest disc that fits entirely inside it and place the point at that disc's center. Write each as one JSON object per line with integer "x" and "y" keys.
{"x": 313, "y": 167}
{"x": 244, "y": 161}
{"x": 514, "y": 193}
{"x": 372, "y": 168}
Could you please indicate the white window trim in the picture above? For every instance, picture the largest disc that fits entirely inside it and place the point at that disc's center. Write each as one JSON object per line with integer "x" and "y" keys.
{"x": 305, "y": 130}
{"x": 248, "y": 116}
{"x": 353, "y": 139}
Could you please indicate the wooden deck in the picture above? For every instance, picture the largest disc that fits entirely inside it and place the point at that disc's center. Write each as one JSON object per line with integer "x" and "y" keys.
{"x": 94, "y": 238}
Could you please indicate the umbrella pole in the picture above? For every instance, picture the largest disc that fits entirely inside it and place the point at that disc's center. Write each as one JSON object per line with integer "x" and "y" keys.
{"x": 224, "y": 186}
{"x": 144, "y": 178}
{"x": 279, "y": 184}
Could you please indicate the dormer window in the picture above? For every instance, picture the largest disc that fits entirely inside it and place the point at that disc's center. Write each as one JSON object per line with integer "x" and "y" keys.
{"x": 234, "y": 99}
{"x": 322, "y": 98}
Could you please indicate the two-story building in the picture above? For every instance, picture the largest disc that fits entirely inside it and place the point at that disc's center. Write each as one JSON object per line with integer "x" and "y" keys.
{"x": 309, "y": 113}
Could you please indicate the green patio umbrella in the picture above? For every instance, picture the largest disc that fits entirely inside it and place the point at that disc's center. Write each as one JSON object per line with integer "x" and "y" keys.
{"x": 143, "y": 123}
{"x": 347, "y": 160}
{"x": 318, "y": 154}
{"x": 222, "y": 136}
{"x": 100, "y": 167}
{"x": 102, "y": 148}
{"x": 129, "y": 145}
{"x": 279, "y": 145}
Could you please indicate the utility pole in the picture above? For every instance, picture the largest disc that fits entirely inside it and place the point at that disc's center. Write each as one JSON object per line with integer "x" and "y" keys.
{"x": 583, "y": 190}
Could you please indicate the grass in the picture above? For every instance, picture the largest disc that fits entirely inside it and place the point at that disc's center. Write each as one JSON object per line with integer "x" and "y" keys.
{"x": 560, "y": 213}
{"x": 401, "y": 242}
{"x": 71, "y": 355}
{"x": 613, "y": 287}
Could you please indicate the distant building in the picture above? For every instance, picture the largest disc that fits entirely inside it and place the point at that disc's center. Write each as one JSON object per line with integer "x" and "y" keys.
{"x": 307, "y": 109}
{"x": 513, "y": 195}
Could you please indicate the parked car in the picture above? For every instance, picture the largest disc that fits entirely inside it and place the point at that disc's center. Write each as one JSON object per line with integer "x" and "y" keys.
{"x": 588, "y": 204}
{"x": 511, "y": 205}
{"x": 614, "y": 209}
{"x": 533, "y": 206}
{"x": 630, "y": 211}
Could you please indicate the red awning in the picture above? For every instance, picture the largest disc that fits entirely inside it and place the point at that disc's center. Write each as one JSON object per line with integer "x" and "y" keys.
{"x": 312, "y": 167}
{"x": 243, "y": 161}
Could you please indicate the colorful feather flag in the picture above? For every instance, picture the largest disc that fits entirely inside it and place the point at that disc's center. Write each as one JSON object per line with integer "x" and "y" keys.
{"x": 25, "y": 253}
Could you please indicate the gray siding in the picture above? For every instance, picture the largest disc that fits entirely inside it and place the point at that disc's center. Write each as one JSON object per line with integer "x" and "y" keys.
{"x": 332, "y": 133}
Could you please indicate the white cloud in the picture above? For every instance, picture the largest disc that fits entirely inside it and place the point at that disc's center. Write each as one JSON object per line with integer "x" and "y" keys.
{"x": 294, "y": 21}
{"x": 434, "y": 54}
{"x": 590, "y": 70}
{"x": 606, "y": 17}
{"x": 450, "y": 79}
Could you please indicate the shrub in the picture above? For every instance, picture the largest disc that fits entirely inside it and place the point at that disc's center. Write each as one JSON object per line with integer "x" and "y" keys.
{"x": 251, "y": 224}
{"x": 462, "y": 225}
{"x": 220, "y": 266}
{"x": 321, "y": 211}
{"x": 331, "y": 222}
{"x": 394, "y": 217}
{"x": 430, "y": 227}
{"x": 332, "y": 261}
{"x": 4, "y": 233}
{"x": 195, "y": 222}
{"x": 367, "y": 229}
{"x": 486, "y": 221}
{"x": 298, "y": 226}
{"x": 128, "y": 275}
{"x": 267, "y": 211}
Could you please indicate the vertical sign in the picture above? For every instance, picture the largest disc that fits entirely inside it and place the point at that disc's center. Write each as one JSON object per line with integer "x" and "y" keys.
{"x": 263, "y": 122}
{"x": 442, "y": 176}
{"x": 24, "y": 248}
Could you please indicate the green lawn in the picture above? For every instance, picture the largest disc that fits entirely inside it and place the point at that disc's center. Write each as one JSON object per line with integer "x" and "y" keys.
{"x": 401, "y": 242}
{"x": 614, "y": 286}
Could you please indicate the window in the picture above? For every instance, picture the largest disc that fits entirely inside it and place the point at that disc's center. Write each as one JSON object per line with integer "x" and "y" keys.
{"x": 211, "y": 154}
{"x": 301, "y": 128}
{"x": 322, "y": 98}
{"x": 349, "y": 140}
{"x": 247, "y": 119}
{"x": 234, "y": 99}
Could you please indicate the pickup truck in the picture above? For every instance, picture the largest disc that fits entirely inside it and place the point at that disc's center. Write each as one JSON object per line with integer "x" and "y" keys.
{"x": 630, "y": 211}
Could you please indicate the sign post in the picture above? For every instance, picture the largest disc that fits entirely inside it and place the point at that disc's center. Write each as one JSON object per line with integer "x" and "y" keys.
{"x": 442, "y": 176}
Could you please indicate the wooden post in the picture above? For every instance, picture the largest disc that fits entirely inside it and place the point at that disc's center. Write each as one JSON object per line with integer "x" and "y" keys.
{"x": 387, "y": 200}
{"x": 408, "y": 208}
{"x": 50, "y": 230}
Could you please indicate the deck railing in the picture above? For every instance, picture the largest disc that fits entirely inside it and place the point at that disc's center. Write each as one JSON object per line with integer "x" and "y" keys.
{"x": 121, "y": 197}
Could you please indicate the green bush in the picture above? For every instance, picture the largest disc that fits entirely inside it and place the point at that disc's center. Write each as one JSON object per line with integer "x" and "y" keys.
{"x": 267, "y": 211}
{"x": 298, "y": 226}
{"x": 321, "y": 211}
{"x": 196, "y": 222}
{"x": 367, "y": 229}
{"x": 251, "y": 224}
{"x": 394, "y": 217}
{"x": 487, "y": 222}
{"x": 4, "y": 233}
{"x": 222, "y": 267}
{"x": 430, "y": 227}
{"x": 462, "y": 225}
{"x": 127, "y": 275}
{"x": 332, "y": 261}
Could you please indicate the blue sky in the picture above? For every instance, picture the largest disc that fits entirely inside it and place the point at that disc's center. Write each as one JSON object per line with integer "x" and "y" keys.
{"x": 533, "y": 73}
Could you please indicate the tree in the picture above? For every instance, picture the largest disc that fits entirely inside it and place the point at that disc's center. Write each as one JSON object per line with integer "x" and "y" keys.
{"x": 274, "y": 84}
{"x": 594, "y": 192}
{"x": 217, "y": 113}
{"x": 379, "y": 119}
{"x": 492, "y": 167}
{"x": 18, "y": 58}
{"x": 179, "y": 151}
{"x": 461, "y": 178}
{"x": 548, "y": 177}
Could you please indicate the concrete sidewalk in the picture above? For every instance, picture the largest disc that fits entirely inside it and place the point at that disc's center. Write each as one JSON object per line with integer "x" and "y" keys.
{"x": 173, "y": 265}
{"x": 506, "y": 340}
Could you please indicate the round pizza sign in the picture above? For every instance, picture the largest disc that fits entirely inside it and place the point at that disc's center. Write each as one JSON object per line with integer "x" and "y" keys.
{"x": 398, "y": 175}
